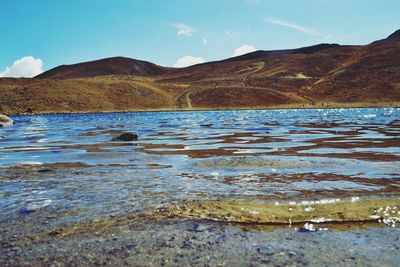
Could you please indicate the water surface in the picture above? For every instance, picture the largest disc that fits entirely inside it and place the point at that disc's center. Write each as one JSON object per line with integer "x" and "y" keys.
{"x": 69, "y": 164}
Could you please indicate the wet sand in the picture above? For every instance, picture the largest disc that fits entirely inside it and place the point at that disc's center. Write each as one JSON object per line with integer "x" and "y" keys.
{"x": 172, "y": 242}
{"x": 230, "y": 236}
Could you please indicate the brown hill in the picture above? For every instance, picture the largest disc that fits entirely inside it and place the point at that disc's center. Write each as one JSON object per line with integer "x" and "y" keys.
{"x": 107, "y": 66}
{"x": 394, "y": 36}
{"x": 371, "y": 73}
{"x": 325, "y": 75}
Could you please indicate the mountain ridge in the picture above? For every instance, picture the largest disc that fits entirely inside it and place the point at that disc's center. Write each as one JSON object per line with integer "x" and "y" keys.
{"x": 105, "y": 66}
{"x": 154, "y": 69}
{"x": 394, "y": 36}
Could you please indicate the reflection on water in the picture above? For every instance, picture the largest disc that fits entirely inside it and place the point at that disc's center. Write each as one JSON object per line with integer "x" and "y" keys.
{"x": 68, "y": 163}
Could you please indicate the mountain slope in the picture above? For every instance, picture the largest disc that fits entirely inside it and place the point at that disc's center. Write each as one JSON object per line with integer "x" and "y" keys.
{"x": 262, "y": 54}
{"x": 372, "y": 72}
{"x": 107, "y": 66}
{"x": 394, "y": 36}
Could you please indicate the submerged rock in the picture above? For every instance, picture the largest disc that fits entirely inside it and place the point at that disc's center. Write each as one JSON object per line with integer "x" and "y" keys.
{"x": 35, "y": 206}
{"x": 309, "y": 212}
{"x": 5, "y": 121}
{"x": 126, "y": 137}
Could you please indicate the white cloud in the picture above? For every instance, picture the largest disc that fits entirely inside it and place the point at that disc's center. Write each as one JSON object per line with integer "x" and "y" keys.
{"x": 188, "y": 61}
{"x": 230, "y": 33}
{"x": 296, "y": 27}
{"x": 24, "y": 67}
{"x": 205, "y": 41}
{"x": 244, "y": 49}
{"x": 184, "y": 29}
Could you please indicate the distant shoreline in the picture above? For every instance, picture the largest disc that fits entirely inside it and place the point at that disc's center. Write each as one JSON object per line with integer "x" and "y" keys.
{"x": 278, "y": 107}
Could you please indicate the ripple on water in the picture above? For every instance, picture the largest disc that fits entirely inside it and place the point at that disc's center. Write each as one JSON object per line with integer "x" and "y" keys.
{"x": 191, "y": 156}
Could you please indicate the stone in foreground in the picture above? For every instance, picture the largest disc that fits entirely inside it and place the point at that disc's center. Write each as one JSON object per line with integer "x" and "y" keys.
{"x": 126, "y": 137}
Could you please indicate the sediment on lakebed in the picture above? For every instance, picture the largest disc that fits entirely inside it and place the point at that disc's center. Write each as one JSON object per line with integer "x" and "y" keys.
{"x": 384, "y": 211}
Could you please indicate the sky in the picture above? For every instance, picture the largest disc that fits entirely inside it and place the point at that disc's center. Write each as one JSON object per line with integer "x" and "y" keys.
{"x": 39, "y": 35}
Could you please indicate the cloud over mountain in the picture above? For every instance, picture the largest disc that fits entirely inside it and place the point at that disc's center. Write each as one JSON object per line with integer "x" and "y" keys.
{"x": 244, "y": 49}
{"x": 24, "y": 67}
{"x": 188, "y": 61}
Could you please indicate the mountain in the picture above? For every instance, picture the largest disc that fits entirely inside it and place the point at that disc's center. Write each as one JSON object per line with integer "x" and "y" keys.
{"x": 372, "y": 72}
{"x": 394, "y": 36}
{"x": 260, "y": 54}
{"x": 107, "y": 66}
{"x": 324, "y": 75}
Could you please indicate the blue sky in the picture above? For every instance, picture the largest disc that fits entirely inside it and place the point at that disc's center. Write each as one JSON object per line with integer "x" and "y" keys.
{"x": 49, "y": 33}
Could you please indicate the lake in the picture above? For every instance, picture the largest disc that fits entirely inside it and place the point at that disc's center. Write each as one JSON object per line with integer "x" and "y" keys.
{"x": 68, "y": 165}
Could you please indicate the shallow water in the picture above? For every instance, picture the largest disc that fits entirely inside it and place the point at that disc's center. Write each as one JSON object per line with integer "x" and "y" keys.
{"x": 67, "y": 164}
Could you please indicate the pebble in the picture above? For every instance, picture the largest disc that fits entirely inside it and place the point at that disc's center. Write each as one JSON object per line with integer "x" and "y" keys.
{"x": 55, "y": 233}
{"x": 130, "y": 246}
{"x": 32, "y": 207}
{"x": 16, "y": 249}
{"x": 265, "y": 251}
{"x": 199, "y": 228}
{"x": 292, "y": 253}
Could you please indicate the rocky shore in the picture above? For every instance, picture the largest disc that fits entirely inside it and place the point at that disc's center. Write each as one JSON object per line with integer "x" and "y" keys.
{"x": 5, "y": 121}
{"x": 172, "y": 242}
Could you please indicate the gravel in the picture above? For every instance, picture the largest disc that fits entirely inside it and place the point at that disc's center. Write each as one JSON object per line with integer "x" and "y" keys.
{"x": 172, "y": 242}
